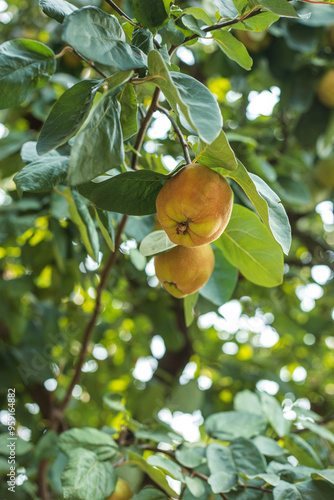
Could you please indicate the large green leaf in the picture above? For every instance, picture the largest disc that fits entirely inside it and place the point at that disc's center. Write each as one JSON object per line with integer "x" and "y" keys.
{"x": 42, "y": 174}
{"x": 105, "y": 222}
{"x": 261, "y": 22}
{"x": 85, "y": 478}
{"x": 98, "y": 147}
{"x": 99, "y": 37}
{"x": 302, "y": 450}
{"x": 326, "y": 475}
{"x": 266, "y": 202}
{"x": 130, "y": 193}
{"x": 24, "y": 66}
{"x": 233, "y": 48}
{"x": 248, "y": 245}
{"x": 89, "y": 438}
{"x": 149, "y": 13}
{"x": 247, "y": 458}
{"x": 222, "y": 282}
{"x": 57, "y": 9}
{"x": 223, "y": 474}
{"x": 67, "y": 115}
{"x": 188, "y": 97}
{"x": 218, "y": 154}
{"x": 318, "y": 429}
{"x": 226, "y": 8}
{"x": 232, "y": 424}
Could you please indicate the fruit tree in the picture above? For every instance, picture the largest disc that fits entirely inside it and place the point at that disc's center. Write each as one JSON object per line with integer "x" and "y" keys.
{"x": 167, "y": 249}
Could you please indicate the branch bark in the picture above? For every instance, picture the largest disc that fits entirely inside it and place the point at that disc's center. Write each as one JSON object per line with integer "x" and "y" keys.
{"x": 92, "y": 322}
{"x": 143, "y": 128}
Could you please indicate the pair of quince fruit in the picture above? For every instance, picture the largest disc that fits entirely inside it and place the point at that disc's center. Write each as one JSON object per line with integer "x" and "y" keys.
{"x": 193, "y": 207}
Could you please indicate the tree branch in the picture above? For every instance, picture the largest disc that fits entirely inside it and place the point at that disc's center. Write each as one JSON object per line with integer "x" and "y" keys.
{"x": 121, "y": 13}
{"x": 80, "y": 56}
{"x": 178, "y": 132}
{"x": 143, "y": 128}
{"x": 92, "y": 322}
{"x": 248, "y": 15}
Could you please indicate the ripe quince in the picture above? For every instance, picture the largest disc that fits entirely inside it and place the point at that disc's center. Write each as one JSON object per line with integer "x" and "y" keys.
{"x": 182, "y": 271}
{"x": 122, "y": 491}
{"x": 325, "y": 90}
{"x": 195, "y": 206}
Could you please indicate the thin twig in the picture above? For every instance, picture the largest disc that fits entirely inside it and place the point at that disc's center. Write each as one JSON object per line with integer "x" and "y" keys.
{"x": 178, "y": 132}
{"x": 143, "y": 128}
{"x": 208, "y": 29}
{"x": 121, "y": 13}
{"x": 83, "y": 58}
{"x": 92, "y": 322}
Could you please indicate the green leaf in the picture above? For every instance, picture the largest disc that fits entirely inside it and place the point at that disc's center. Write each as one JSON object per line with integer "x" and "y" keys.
{"x": 233, "y": 48}
{"x": 268, "y": 446}
{"x": 150, "y": 494}
{"x": 189, "y": 304}
{"x": 47, "y": 446}
{"x": 149, "y": 13}
{"x": 29, "y": 152}
{"x": 155, "y": 242}
{"x": 190, "y": 455}
{"x": 57, "y": 9}
{"x": 103, "y": 445}
{"x": 232, "y": 424}
{"x": 43, "y": 174}
{"x": 199, "y": 14}
{"x": 248, "y": 245}
{"x": 306, "y": 490}
{"x": 105, "y": 222}
{"x": 247, "y": 458}
{"x": 302, "y": 450}
{"x": 274, "y": 413}
{"x": 318, "y": 429}
{"x": 85, "y": 478}
{"x": 188, "y": 98}
{"x": 247, "y": 401}
{"x": 143, "y": 39}
{"x": 81, "y": 217}
{"x": 226, "y": 8}
{"x": 258, "y": 23}
{"x": 222, "y": 282}
{"x": 24, "y": 66}
{"x": 167, "y": 465}
{"x": 67, "y": 115}
{"x": 99, "y": 37}
{"x": 128, "y": 115}
{"x": 326, "y": 475}
{"x": 155, "y": 474}
{"x": 130, "y": 193}
{"x": 98, "y": 147}
{"x": 195, "y": 485}
{"x": 119, "y": 78}
{"x": 278, "y": 221}
{"x": 267, "y": 478}
{"x": 266, "y": 202}
{"x": 223, "y": 474}
{"x": 218, "y": 154}
{"x": 281, "y": 8}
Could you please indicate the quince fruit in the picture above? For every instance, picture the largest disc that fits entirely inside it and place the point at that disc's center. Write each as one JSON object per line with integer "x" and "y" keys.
{"x": 122, "y": 491}
{"x": 195, "y": 206}
{"x": 325, "y": 90}
{"x": 325, "y": 172}
{"x": 182, "y": 271}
